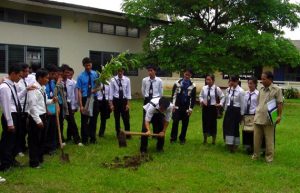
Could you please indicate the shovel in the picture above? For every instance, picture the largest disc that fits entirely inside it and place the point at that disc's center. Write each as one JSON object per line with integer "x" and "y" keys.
{"x": 122, "y": 136}
{"x": 64, "y": 156}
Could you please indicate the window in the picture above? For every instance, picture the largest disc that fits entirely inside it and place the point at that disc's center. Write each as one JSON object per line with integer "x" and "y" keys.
{"x": 96, "y": 58}
{"x": 12, "y": 54}
{"x": 133, "y": 32}
{"x": 30, "y": 18}
{"x": 121, "y": 31}
{"x": 1, "y": 14}
{"x": 14, "y": 16}
{"x": 51, "y": 56}
{"x": 94, "y": 27}
{"x": 34, "y": 56}
{"x": 102, "y": 58}
{"x": 15, "y": 54}
{"x": 108, "y": 29}
{"x": 2, "y": 58}
{"x": 111, "y": 29}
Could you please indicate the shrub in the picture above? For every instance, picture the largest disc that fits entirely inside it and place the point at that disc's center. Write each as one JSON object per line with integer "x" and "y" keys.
{"x": 291, "y": 93}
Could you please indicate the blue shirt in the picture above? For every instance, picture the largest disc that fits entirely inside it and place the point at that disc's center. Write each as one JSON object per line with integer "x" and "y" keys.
{"x": 50, "y": 86}
{"x": 83, "y": 82}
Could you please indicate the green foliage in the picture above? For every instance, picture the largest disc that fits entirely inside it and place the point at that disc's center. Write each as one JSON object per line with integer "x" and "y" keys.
{"x": 230, "y": 36}
{"x": 291, "y": 93}
{"x": 123, "y": 60}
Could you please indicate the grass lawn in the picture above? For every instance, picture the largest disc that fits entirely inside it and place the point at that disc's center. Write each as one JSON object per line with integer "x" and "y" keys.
{"x": 192, "y": 167}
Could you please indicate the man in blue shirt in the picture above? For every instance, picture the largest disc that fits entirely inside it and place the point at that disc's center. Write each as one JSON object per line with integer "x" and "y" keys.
{"x": 85, "y": 85}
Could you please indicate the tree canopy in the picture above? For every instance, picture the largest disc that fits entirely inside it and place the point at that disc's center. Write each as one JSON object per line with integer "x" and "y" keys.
{"x": 231, "y": 36}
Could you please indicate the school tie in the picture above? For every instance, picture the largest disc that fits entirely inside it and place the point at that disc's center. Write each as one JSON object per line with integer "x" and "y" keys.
{"x": 103, "y": 93}
{"x": 121, "y": 94}
{"x": 208, "y": 96}
{"x": 89, "y": 91}
{"x": 151, "y": 90}
{"x": 44, "y": 96}
{"x": 249, "y": 104}
{"x": 25, "y": 101}
{"x": 232, "y": 98}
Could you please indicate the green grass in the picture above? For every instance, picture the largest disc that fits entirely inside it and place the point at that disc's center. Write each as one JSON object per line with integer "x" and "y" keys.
{"x": 192, "y": 167}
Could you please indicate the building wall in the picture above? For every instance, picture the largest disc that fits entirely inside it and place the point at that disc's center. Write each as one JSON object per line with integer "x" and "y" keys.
{"x": 73, "y": 39}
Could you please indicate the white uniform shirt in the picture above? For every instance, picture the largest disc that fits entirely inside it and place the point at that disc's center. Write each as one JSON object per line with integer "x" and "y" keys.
{"x": 252, "y": 103}
{"x": 22, "y": 92}
{"x": 114, "y": 87}
{"x": 30, "y": 79}
{"x": 106, "y": 92}
{"x": 204, "y": 93}
{"x": 156, "y": 84}
{"x": 36, "y": 102}
{"x": 238, "y": 98}
{"x": 152, "y": 109}
{"x": 7, "y": 101}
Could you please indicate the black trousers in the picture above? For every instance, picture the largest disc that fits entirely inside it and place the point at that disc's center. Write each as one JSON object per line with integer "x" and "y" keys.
{"x": 104, "y": 111}
{"x": 50, "y": 134}
{"x": 8, "y": 145}
{"x": 120, "y": 110}
{"x": 22, "y": 133}
{"x": 72, "y": 129}
{"x": 158, "y": 125}
{"x": 180, "y": 114}
{"x": 61, "y": 121}
{"x": 87, "y": 124}
{"x": 36, "y": 140}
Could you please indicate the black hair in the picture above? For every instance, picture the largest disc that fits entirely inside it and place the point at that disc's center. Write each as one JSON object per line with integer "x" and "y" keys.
{"x": 34, "y": 67}
{"x": 151, "y": 67}
{"x": 41, "y": 73}
{"x": 71, "y": 69}
{"x": 52, "y": 68}
{"x": 86, "y": 60}
{"x": 234, "y": 78}
{"x": 24, "y": 65}
{"x": 188, "y": 70}
{"x": 65, "y": 67}
{"x": 164, "y": 103}
{"x": 16, "y": 68}
{"x": 211, "y": 76}
{"x": 269, "y": 75}
{"x": 253, "y": 79}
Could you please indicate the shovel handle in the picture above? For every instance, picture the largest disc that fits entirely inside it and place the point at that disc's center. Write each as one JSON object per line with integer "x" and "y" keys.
{"x": 142, "y": 134}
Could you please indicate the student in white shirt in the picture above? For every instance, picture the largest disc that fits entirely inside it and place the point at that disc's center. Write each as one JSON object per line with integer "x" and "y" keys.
{"x": 103, "y": 108}
{"x": 211, "y": 98}
{"x": 22, "y": 86}
{"x": 11, "y": 109}
{"x": 120, "y": 94}
{"x": 69, "y": 89}
{"x": 159, "y": 113}
{"x": 37, "y": 105}
{"x": 234, "y": 105}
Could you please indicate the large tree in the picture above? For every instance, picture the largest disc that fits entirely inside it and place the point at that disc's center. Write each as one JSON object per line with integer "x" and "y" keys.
{"x": 231, "y": 36}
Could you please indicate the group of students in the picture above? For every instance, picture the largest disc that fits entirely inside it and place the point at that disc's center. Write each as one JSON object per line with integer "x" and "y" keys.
{"x": 31, "y": 103}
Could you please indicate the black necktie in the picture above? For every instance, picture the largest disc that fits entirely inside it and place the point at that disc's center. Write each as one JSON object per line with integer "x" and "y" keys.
{"x": 121, "y": 94}
{"x": 151, "y": 90}
{"x": 89, "y": 85}
{"x": 103, "y": 92}
{"x": 208, "y": 97}
{"x": 249, "y": 104}
{"x": 25, "y": 101}
{"x": 232, "y": 98}
{"x": 44, "y": 95}
{"x": 19, "y": 107}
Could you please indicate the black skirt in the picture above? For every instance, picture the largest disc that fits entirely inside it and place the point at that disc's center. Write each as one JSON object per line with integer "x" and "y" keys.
{"x": 231, "y": 125}
{"x": 209, "y": 120}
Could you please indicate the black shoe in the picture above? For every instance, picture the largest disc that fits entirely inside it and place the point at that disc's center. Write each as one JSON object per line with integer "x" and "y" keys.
{"x": 172, "y": 140}
{"x": 160, "y": 150}
{"x": 101, "y": 135}
{"x": 182, "y": 142}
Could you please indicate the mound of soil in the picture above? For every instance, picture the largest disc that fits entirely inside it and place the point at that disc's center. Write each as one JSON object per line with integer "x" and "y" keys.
{"x": 132, "y": 162}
